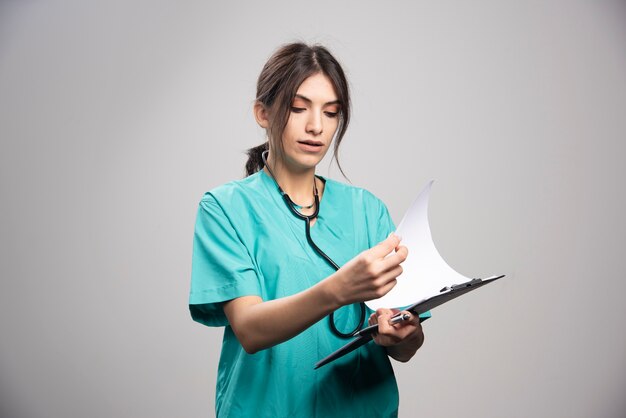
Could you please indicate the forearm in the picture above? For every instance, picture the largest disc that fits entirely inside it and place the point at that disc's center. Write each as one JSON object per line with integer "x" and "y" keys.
{"x": 262, "y": 324}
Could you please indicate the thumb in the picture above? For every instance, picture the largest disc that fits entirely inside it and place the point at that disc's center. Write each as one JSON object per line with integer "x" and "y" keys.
{"x": 385, "y": 247}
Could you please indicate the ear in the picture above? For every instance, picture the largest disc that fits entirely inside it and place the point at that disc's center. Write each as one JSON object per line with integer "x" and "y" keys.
{"x": 260, "y": 114}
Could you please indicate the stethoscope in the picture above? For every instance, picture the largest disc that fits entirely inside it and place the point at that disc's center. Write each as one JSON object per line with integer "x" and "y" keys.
{"x": 307, "y": 229}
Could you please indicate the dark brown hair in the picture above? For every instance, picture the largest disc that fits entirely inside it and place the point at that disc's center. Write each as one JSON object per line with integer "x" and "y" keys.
{"x": 278, "y": 83}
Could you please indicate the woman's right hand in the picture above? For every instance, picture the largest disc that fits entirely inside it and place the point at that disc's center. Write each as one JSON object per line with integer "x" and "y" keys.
{"x": 371, "y": 274}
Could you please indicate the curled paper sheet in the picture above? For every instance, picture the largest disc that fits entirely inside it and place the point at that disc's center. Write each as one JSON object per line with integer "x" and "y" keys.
{"x": 425, "y": 273}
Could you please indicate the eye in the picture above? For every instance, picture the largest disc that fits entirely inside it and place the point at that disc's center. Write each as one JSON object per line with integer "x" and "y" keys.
{"x": 297, "y": 109}
{"x": 331, "y": 114}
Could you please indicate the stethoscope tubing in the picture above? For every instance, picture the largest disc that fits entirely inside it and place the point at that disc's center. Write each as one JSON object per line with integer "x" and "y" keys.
{"x": 307, "y": 222}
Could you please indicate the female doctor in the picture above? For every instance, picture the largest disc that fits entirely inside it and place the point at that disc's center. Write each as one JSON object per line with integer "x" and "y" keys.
{"x": 266, "y": 257}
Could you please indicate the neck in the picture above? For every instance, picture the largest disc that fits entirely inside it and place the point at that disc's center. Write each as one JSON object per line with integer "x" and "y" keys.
{"x": 298, "y": 184}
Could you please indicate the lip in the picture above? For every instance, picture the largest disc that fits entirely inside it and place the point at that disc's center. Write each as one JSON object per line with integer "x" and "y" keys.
{"x": 310, "y": 145}
{"x": 310, "y": 142}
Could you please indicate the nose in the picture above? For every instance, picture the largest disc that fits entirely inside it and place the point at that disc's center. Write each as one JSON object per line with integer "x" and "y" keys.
{"x": 314, "y": 124}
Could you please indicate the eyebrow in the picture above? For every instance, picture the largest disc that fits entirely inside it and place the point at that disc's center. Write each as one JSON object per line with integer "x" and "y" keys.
{"x": 306, "y": 99}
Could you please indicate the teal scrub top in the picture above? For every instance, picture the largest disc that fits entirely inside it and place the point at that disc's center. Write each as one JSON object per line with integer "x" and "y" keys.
{"x": 247, "y": 242}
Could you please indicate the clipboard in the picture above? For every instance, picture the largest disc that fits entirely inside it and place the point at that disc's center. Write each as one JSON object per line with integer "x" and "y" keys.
{"x": 445, "y": 295}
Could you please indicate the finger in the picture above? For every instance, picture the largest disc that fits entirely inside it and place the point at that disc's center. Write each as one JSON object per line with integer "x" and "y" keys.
{"x": 408, "y": 326}
{"x": 414, "y": 319}
{"x": 410, "y": 319}
{"x": 388, "y": 276}
{"x": 385, "y": 247}
{"x": 383, "y": 316}
{"x": 391, "y": 334}
{"x": 395, "y": 313}
{"x": 372, "y": 319}
{"x": 383, "y": 311}
{"x": 395, "y": 259}
{"x": 384, "y": 287}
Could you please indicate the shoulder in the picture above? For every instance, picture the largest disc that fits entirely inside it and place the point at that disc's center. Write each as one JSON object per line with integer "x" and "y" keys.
{"x": 363, "y": 209}
{"x": 358, "y": 195}
{"x": 234, "y": 193}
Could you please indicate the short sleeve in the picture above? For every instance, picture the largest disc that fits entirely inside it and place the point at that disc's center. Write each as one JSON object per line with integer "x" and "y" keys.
{"x": 221, "y": 269}
{"x": 385, "y": 227}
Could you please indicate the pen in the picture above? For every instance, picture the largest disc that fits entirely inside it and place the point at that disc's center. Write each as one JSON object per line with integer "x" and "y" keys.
{"x": 399, "y": 318}
{"x": 361, "y": 338}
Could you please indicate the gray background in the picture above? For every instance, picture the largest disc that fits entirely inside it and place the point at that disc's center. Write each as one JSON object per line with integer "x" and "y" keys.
{"x": 116, "y": 116}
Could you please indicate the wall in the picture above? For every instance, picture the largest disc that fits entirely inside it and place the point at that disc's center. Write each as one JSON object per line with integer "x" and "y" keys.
{"x": 116, "y": 116}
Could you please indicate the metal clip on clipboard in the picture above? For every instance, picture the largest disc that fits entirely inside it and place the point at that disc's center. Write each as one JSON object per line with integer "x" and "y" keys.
{"x": 462, "y": 285}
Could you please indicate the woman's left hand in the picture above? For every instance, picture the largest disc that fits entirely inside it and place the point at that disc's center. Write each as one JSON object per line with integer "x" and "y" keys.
{"x": 402, "y": 339}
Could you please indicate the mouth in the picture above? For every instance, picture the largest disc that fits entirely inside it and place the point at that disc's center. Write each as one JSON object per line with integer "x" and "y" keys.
{"x": 311, "y": 143}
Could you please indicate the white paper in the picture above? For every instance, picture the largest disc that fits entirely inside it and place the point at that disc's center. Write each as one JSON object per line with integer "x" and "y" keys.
{"x": 425, "y": 273}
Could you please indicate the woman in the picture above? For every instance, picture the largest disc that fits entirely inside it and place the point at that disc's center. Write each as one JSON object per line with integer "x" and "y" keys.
{"x": 256, "y": 272}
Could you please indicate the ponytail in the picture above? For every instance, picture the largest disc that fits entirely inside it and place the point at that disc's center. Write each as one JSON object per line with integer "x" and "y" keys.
{"x": 255, "y": 161}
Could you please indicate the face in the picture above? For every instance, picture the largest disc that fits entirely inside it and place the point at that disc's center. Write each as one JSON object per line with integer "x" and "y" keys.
{"x": 312, "y": 123}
